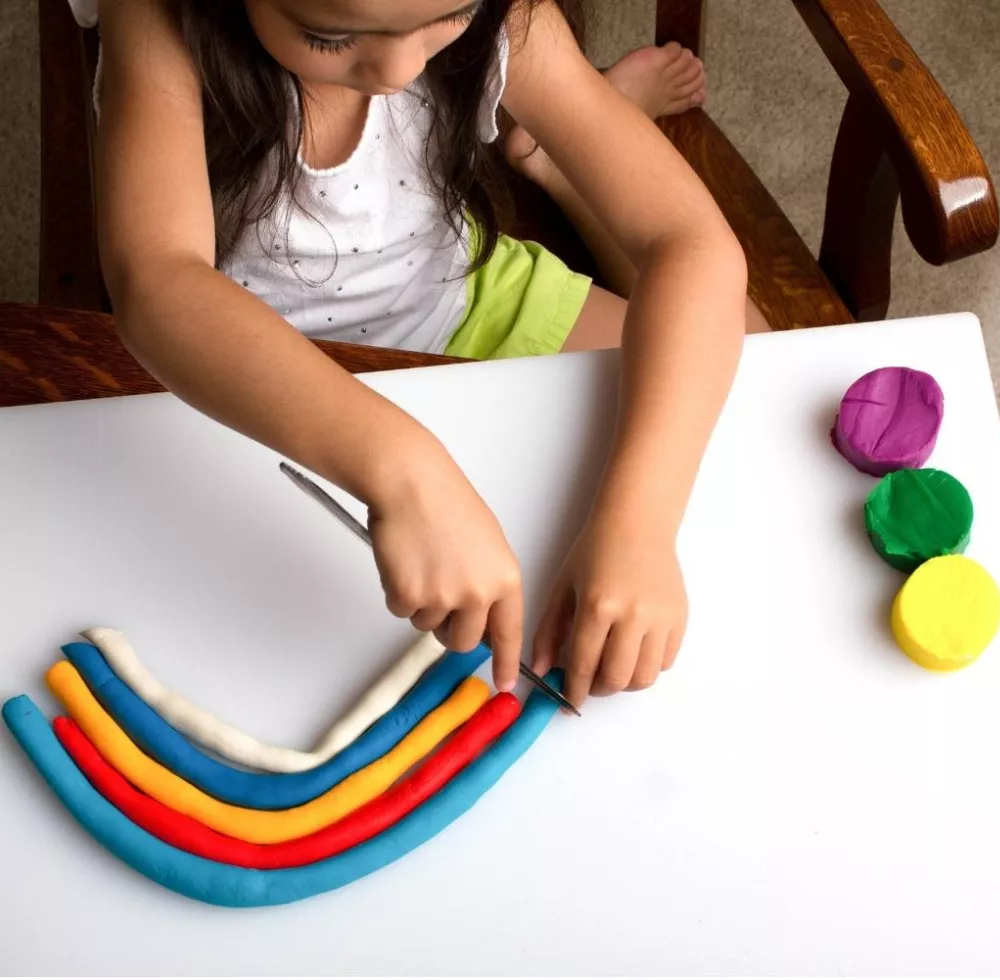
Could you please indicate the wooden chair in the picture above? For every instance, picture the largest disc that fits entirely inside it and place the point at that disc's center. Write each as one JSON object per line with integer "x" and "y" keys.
{"x": 900, "y": 139}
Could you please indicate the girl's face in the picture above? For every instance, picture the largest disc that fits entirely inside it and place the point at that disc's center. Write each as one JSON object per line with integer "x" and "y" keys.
{"x": 372, "y": 46}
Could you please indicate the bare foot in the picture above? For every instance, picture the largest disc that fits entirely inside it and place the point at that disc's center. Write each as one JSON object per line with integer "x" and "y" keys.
{"x": 661, "y": 81}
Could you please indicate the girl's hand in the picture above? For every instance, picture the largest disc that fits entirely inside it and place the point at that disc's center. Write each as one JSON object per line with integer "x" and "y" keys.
{"x": 446, "y": 566}
{"x": 620, "y": 603}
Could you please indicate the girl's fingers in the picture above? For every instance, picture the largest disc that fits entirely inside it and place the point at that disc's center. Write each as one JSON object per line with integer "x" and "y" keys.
{"x": 586, "y": 647}
{"x": 400, "y": 606}
{"x": 672, "y": 648}
{"x": 618, "y": 662}
{"x": 553, "y": 630}
{"x": 466, "y": 628}
{"x": 506, "y": 625}
{"x": 652, "y": 655}
{"x": 429, "y": 619}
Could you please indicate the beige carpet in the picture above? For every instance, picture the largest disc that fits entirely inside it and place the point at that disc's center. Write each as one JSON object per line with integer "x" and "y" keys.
{"x": 771, "y": 90}
{"x": 776, "y": 97}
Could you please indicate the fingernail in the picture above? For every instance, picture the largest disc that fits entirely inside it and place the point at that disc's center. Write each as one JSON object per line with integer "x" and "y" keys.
{"x": 506, "y": 686}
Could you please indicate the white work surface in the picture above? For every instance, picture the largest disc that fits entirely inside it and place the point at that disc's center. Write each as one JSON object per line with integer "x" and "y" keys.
{"x": 794, "y": 797}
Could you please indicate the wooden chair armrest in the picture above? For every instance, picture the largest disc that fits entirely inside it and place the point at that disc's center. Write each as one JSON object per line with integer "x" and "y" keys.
{"x": 50, "y": 355}
{"x": 949, "y": 203}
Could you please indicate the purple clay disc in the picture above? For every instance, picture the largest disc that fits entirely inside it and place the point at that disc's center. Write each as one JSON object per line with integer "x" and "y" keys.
{"x": 889, "y": 420}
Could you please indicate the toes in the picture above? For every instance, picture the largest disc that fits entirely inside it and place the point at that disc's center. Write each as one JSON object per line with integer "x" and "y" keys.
{"x": 690, "y": 87}
{"x": 691, "y": 69}
{"x": 680, "y": 96}
{"x": 683, "y": 66}
{"x": 688, "y": 78}
{"x": 685, "y": 61}
{"x": 661, "y": 81}
{"x": 691, "y": 95}
{"x": 700, "y": 93}
{"x": 671, "y": 52}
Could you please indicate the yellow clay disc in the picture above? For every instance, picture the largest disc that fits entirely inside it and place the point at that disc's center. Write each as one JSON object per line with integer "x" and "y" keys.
{"x": 946, "y": 613}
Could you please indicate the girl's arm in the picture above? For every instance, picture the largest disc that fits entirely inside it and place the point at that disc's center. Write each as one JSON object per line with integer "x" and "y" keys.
{"x": 682, "y": 340}
{"x": 208, "y": 340}
{"x": 228, "y": 354}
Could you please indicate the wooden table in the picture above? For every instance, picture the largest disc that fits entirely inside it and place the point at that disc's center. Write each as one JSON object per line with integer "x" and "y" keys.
{"x": 51, "y": 355}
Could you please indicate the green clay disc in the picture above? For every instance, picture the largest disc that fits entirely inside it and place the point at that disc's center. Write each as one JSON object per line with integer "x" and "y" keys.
{"x": 914, "y": 515}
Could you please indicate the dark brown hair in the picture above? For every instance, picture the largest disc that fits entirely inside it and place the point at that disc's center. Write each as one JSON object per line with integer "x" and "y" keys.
{"x": 253, "y": 118}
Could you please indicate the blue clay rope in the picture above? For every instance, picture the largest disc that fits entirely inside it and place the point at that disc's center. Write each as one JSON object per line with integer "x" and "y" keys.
{"x": 265, "y": 791}
{"x": 220, "y": 884}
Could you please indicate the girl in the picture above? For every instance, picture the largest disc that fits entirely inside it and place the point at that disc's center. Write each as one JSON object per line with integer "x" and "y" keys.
{"x": 270, "y": 170}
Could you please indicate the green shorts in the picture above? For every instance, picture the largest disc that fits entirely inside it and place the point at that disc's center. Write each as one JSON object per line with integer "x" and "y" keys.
{"x": 523, "y": 302}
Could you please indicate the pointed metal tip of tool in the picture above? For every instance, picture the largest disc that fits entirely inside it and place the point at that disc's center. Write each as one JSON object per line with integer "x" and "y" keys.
{"x": 547, "y": 689}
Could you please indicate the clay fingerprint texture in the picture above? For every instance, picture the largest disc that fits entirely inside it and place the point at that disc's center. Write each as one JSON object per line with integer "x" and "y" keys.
{"x": 889, "y": 420}
{"x": 914, "y": 515}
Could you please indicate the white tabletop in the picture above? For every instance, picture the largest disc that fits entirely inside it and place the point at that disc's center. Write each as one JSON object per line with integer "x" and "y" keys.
{"x": 794, "y": 797}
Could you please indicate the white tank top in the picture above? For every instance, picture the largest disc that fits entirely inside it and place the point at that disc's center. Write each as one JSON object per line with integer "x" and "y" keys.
{"x": 366, "y": 256}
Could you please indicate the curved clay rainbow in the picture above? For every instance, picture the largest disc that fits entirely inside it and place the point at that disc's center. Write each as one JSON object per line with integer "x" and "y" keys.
{"x": 231, "y": 743}
{"x": 257, "y": 790}
{"x": 260, "y": 826}
{"x": 187, "y": 834}
{"x": 220, "y": 884}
